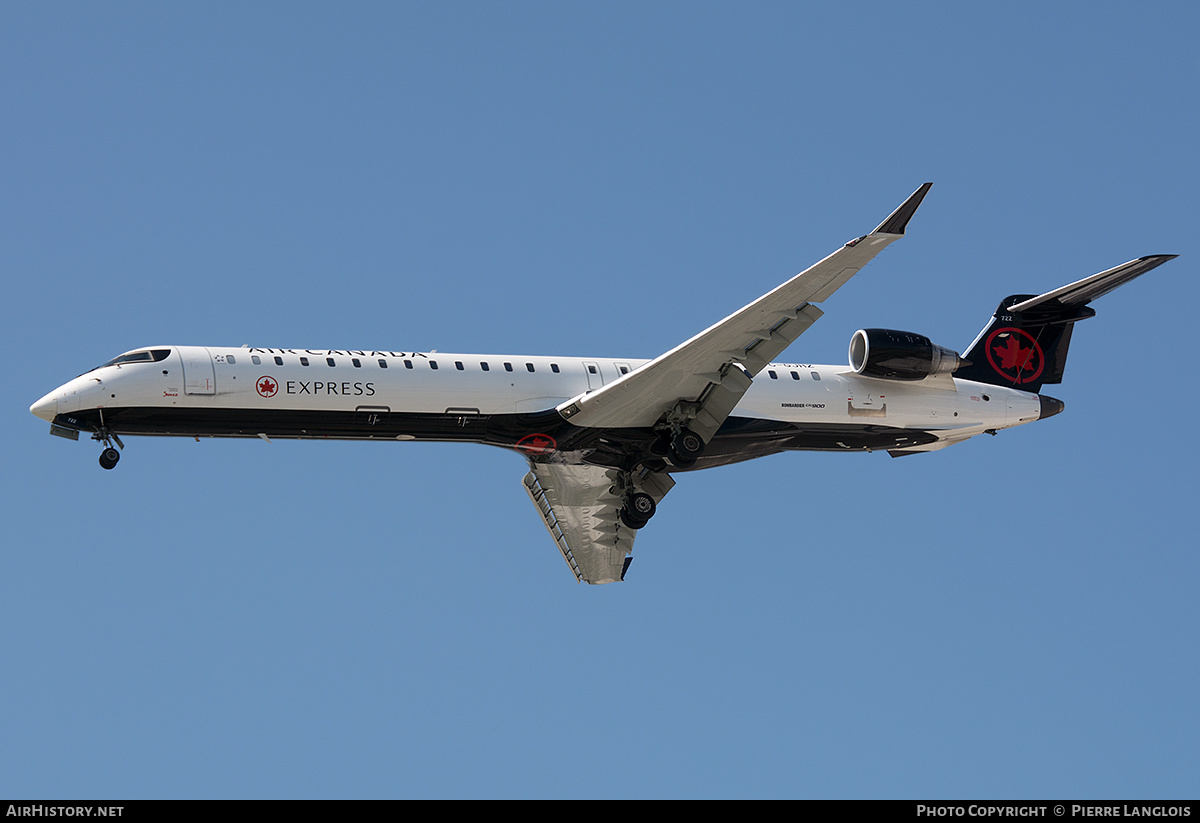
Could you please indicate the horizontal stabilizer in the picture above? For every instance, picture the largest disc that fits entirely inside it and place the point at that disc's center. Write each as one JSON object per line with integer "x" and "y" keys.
{"x": 1088, "y": 289}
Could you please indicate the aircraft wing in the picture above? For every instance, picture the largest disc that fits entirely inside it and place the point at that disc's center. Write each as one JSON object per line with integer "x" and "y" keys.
{"x": 716, "y": 367}
{"x": 579, "y": 505}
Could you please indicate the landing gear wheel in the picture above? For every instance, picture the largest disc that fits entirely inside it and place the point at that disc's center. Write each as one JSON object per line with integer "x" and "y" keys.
{"x": 110, "y": 456}
{"x": 641, "y": 506}
{"x": 685, "y": 448}
{"x": 629, "y": 522}
{"x": 638, "y": 509}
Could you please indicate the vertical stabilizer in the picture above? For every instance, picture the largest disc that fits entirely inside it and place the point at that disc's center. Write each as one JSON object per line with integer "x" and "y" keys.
{"x": 1025, "y": 344}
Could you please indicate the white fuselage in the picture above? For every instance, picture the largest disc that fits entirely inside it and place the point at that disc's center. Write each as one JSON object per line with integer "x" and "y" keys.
{"x": 270, "y": 384}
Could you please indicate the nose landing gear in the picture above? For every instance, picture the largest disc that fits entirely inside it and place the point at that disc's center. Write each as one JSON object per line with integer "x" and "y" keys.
{"x": 110, "y": 456}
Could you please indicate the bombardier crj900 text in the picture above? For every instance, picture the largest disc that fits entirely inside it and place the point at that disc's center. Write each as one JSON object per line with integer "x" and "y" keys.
{"x": 603, "y": 437}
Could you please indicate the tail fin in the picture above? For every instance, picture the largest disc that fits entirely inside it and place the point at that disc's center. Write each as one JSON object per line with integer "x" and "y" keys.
{"x": 1026, "y": 343}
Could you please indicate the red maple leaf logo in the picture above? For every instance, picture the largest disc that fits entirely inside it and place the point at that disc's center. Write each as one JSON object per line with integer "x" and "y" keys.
{"x": 535, "y": 444}
{"x": 1017, "y": 362}
{"x": 1013, "y": 355}
{"x": 267, "y": 387}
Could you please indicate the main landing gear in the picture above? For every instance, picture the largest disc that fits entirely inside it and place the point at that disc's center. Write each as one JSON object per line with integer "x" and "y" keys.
{"x": 682, "y": 447}
{"x": 641, "y": 488}
{"x": 638, "y": 509}
{"x": 686, "y": 447}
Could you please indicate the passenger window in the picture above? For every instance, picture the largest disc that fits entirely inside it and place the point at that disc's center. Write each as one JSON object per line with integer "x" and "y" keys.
{"x": 433, "y": 365}
{"x": 795, "y": 375}
{"x": 357, "y": 363}
{"x": 508, "y": 366}
{"x": 623, "y": 369}
{"x": 303, "y": 361}
{"x": 484, "y": 366}
{"x": 815, "y": 376}
{"x": 458, "y": 365}
{"x": 329, "y": 360}
{"x": 382, "y": 363}
{"x": 774, "y": 376}
{"x": 231, "y": 360}
{"x": 529, "y": 366}
{"x": 256, "y": 360}
{"x": 408, "y": 364}
{"x": 278, "y": 360}
{"x": 554, "y": 368}
{"x": 591, "y": 369}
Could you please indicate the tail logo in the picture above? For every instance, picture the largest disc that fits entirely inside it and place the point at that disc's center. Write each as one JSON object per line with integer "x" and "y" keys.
{"x": 1015, "y": 355}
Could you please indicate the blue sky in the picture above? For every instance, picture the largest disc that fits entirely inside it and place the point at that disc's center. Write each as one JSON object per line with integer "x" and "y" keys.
{"x": 1011, "y": 617}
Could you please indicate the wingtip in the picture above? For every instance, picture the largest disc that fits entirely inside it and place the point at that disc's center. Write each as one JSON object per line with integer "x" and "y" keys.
{"x": 897, "y": 221}
{"x": 1153, "y": 261}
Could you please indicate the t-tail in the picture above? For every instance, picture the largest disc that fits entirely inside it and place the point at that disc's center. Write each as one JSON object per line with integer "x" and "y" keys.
{"x": 1025, "y": 345}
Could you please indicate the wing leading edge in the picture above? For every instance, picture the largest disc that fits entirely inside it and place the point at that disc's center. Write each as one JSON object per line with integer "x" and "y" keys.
{"x": 714, "y": 369}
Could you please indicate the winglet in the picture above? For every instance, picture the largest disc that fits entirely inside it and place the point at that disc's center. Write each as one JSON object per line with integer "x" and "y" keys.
{"x": 898, "y": 219}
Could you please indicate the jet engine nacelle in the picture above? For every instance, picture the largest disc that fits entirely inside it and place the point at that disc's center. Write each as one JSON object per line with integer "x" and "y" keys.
{"x": 899, "y": 355}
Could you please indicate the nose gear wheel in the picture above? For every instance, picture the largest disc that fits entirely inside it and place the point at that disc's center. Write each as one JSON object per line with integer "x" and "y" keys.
{"x": 110, "y": 456}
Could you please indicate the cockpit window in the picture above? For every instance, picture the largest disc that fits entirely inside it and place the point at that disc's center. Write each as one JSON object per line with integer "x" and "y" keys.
{"x": 140, "y": 356}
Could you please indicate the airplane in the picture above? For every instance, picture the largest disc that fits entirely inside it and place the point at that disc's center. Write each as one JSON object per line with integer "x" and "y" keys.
{"x": 603, "y": 437}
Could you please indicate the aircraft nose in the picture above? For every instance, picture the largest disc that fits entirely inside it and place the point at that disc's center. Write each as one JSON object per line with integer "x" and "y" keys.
{"x": 47, "y": 407}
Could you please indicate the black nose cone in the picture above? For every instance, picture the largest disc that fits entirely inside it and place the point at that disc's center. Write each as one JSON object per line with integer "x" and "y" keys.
{"x": 1050, "y": 406}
